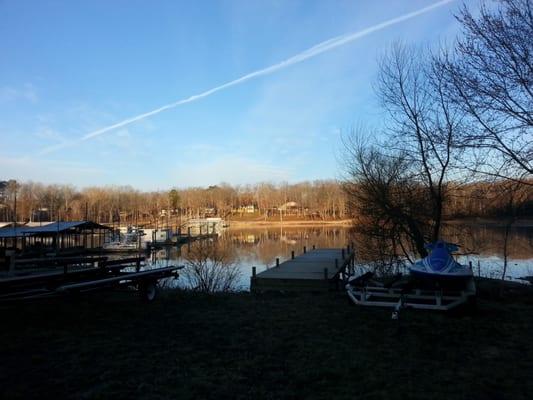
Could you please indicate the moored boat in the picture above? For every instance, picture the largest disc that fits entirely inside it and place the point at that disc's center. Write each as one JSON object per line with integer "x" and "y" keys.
{"x": 124, "y": 242}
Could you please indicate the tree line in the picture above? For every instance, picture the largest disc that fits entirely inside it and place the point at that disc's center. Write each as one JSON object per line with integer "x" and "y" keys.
{"x": 318, "y": 200}
{"x": 30, "y": 201}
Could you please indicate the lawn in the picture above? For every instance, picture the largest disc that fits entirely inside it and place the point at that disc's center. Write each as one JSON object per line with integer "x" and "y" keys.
{"x": 243, "y": 346}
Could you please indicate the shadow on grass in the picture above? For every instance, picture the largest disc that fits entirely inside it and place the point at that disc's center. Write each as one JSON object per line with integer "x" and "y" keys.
{"x": 243, "y": 346}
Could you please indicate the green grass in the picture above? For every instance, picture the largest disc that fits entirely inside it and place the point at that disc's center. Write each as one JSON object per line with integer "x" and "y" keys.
{"x": 243, "y": 346}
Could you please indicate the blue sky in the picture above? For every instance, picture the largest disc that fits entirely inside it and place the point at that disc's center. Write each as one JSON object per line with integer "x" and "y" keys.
{"x": 69, "y": 68}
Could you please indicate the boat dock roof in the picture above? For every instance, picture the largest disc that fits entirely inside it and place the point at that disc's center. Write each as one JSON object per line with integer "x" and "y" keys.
{"x": 49, "y": 229}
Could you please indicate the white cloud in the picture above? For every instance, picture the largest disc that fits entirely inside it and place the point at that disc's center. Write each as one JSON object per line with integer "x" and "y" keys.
{"x": 26, "y": 93}
{"x": 49, "y": 134}
{"x": 123, "y": 133}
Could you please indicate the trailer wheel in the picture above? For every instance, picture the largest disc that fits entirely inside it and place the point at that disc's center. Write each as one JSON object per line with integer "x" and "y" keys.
{"x": 148, "y": 291}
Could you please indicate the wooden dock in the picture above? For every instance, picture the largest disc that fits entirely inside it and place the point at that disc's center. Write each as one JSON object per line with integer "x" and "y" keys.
{"x": 314, "y": 270}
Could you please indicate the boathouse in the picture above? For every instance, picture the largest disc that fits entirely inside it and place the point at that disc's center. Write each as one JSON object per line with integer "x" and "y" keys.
{"x": 54, "y": 236}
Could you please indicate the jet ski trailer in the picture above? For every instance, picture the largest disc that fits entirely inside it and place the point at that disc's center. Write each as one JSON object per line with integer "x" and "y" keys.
{"x": 436, "y": 282}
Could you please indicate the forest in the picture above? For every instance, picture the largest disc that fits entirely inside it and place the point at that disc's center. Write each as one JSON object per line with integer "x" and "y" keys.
{"x": 317, "y": 200}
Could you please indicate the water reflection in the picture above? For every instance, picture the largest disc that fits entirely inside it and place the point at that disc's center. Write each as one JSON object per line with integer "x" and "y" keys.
{"x": 488, "y": 240}
{"x": 259, "y": 247}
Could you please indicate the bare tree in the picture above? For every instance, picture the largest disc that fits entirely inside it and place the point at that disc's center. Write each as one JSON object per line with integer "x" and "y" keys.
{"x": 12, "y": 189}
{"x": 398, "y": 184}
{"x": 387, "y": 199}
{"x": 423, "y": 124}
{"x": 490, "y": 76}
{"x": 209, "y": 270}
{"x": 515, "y": 196}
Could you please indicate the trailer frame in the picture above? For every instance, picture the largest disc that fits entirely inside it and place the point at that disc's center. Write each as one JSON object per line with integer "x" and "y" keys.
{"x": 365, "y": 291}
{"x": 108, "y": 275}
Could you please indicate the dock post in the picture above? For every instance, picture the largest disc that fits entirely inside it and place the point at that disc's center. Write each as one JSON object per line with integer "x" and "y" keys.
{"x": 12, "y": 254}
{"x": 138, "y": 265}
{"x": 292, "y": 255}
{"x": 189, "y": 232}
{"x": 252, "y": 281}
{"x": 277, "y": 262}
{"x": 313, "y": 247}
{"x": 326, "y": 274}
{"x": 305, "y": 249}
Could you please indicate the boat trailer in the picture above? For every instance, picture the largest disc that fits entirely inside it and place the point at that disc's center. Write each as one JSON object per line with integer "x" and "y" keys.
{"x": 105, "y": 275}
{"x": 398, "y": 294}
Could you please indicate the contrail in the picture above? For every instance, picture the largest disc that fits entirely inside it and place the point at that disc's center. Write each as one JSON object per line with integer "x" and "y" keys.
{"x": 298, "y": 58}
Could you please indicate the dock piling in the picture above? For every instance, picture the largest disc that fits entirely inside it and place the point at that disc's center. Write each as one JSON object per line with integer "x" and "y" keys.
{"x": 292, "y": 255}
{"x": 277, "y": 262}
{"x": 305, "y": 249}
{"x": 253, "y": 272}
{"x": 12, "y": 260}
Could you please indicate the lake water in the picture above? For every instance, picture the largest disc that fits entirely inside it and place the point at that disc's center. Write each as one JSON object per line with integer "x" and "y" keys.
{"x": 260, "y": 247}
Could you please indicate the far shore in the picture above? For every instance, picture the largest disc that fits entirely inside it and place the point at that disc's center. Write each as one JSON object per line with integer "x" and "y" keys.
{"x": 294, "y": 223}
{"x": 496, "y": 222}
{"x": 524, "y": 222}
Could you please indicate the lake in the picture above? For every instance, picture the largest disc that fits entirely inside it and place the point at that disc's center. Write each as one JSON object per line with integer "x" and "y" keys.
{"x": 260, "y": 246}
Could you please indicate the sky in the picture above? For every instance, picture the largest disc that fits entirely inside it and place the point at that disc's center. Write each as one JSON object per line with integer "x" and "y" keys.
{"x": 82, "y": 85}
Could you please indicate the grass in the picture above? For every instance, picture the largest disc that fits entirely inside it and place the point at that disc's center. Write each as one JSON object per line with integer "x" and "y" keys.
{"x": 243, "y": 346}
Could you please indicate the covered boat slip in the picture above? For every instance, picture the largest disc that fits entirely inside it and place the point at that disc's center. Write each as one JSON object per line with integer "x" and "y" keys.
{"x": 56, "y": 236}
{"x": 314, "y": 270}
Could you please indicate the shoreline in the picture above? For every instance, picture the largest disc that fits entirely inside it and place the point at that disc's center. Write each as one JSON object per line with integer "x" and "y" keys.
{"x": 259, "y": 224}
{"x": 523, "y": 222}
{"x": 494, "y": 222}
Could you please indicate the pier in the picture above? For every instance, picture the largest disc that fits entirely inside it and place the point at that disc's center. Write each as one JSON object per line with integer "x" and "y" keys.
{"x": 314, "y": 270}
